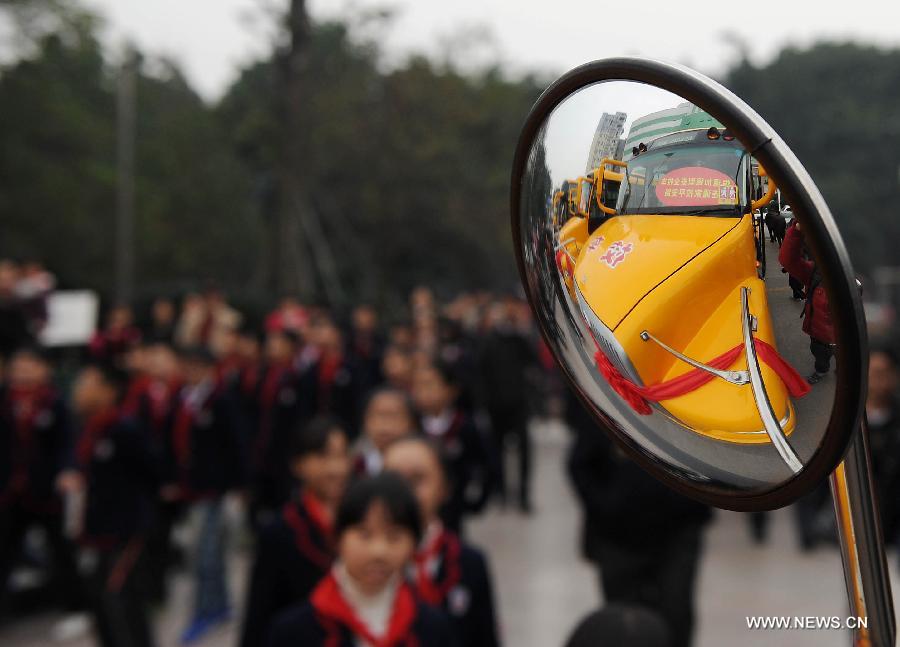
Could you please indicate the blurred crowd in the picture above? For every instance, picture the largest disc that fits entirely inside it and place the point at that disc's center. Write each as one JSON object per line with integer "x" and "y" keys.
{"x": 351, "y": 448}
{"x": 174, "y": 414}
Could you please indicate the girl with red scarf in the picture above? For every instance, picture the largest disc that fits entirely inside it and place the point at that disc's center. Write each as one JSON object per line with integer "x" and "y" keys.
{"x": 387, "y": 416}
{"x": 35, "y": 461}
{"x": 296, "y": 550}
{"x": 205, "y": 462}
{"x": 364, "y": 600}
{"x": 280, "y": 404}
{"x": 436, "y": 393}
{"x": 121, "y": 477}
{"x": 448, "y": 573}
{"x": 333, "y": 381}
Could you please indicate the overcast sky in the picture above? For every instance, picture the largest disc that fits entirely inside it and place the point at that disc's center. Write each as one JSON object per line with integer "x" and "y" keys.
{"x": 213, "y": 38}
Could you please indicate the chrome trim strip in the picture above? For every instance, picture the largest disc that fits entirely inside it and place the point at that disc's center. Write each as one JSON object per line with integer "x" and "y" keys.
{"x": 776, "y": 434}
{"x": 739, "y": 378}
{"x": 605, "y": 337}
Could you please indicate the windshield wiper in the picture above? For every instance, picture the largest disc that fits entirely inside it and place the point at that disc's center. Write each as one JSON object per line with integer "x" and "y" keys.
{"x": 707, "y": 212}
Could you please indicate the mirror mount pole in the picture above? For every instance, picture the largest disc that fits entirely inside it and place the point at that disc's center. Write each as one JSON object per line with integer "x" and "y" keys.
{"x": 862, "y": 545}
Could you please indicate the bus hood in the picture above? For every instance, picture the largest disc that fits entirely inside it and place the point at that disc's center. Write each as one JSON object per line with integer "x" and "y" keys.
{"x": 636, "y": 254}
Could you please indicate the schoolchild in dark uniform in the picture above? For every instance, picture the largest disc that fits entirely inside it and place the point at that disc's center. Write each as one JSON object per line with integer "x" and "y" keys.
{"x": 397, "y": 368}
{"x": 296, "y": 550}
{"x": 387, "y": 416}
{"x": 883, "y": 418}
{"x": 364, "y": 599}
{"x": 333, "y": 380}
{"x": 35, "y": 462}
{"x": 280, "y": 405}
{"x": 504, "y": 363}
{"x": 204, "y": 463}
{"x": 448, "y": 574}
{"x": 153, "y": 387}
{"x": 120, "y": 335}
{"x": 366, "y": 346}
{"x": 121, "y": 473}
{"x": 645, "y": 538}
{"x": 150, "y": 400}
{"x": 435, "y": 393}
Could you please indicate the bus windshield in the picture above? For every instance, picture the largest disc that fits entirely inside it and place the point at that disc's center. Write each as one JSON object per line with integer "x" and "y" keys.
{"x": 692, "y": 178}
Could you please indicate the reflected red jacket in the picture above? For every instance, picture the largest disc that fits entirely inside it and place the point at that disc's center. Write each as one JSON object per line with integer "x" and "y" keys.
{"x": 816, "y": 313}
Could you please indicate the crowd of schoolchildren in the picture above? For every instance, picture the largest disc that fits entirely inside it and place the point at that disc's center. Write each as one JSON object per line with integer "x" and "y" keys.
{"x": 356, "y": 455}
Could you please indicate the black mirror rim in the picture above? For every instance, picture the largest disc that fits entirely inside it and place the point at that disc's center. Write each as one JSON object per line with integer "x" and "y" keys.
{"x": 821, "y": 234}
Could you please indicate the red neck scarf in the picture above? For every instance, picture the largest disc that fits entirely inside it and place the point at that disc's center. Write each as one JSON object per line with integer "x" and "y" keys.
{"x": 334, "y": 611}
{"x": 26, "y": 403}
{"x": 317, "y": 512}
{"x": 293, "y": 515}
{"x": 184, "y": 421}
{"x": 446, "y": 546}
{"x": 94, "y": 430}
{"x": 271, "y": 383}
{"x": 159, "y": 396}
{"x": 328, "y": 368}
{"x": 137, "y": 388}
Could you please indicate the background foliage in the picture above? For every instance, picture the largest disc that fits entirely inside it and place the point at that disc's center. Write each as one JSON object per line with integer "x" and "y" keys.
{"x": 406, "y": 170}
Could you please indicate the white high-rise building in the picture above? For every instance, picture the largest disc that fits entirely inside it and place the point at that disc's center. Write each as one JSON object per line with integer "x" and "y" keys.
{"x": 606, "y": 140}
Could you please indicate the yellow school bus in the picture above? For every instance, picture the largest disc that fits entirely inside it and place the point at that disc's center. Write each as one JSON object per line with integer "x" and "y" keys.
{"x": 680, "y": 243}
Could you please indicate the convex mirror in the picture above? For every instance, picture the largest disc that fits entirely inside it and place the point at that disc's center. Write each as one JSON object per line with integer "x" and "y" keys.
{"x": 715, "y": 333}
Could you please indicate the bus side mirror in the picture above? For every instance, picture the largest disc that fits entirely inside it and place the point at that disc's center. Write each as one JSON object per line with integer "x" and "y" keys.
{"x": 769, "y": 194}
{"x": 604, "y": 175}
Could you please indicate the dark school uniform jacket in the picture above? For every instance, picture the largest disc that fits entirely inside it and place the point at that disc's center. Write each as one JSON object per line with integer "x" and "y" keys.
{"x": 293, "y": 554}
{"x": 469, "y": 462}
{"x": 150, "y": 402}
{"x": 35, "y": 446}
{"x": 280, "y": 405}
{"x": 328, "y": 621}
{"x": 453, "y": 576}
{"x": 622, "y": 504}
{"x": 334, "y": 387}
{"x": 206, "y": 456}
{"x": 122, "y": 475}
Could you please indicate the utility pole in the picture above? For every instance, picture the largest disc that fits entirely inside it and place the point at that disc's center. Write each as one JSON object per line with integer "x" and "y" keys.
{"x": 124, "y": 238}
{"x": 290, "y": 271}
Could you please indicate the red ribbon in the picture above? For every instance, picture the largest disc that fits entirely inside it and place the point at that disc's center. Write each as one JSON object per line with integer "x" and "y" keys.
{"x": 322, "y": 558}
{"x": 333, "y": 609}
{"x": 94, "y": 430}
{"x": 429, "y": 590}
{"x": 639, "y": 397}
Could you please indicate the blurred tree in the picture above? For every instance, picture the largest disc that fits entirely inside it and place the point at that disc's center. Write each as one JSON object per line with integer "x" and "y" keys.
{"x": 408, "y": 170}
{"x": 836, "y": 105}
{"x": 399, "y": 177}
{"x": 56, "y": 159}
{"x": 57, "y": 169}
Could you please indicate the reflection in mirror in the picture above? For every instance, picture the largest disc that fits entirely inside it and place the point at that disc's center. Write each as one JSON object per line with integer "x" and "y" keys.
{"x": 671, "y": 287}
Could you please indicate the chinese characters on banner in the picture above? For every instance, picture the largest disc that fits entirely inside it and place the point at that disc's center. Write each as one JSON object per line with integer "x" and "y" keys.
{"x": 696, "y": 186}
